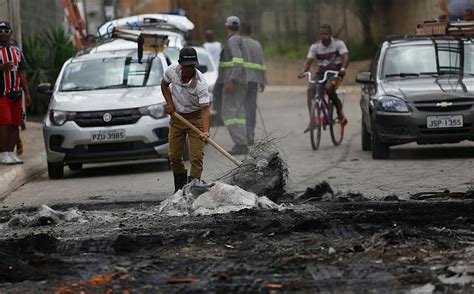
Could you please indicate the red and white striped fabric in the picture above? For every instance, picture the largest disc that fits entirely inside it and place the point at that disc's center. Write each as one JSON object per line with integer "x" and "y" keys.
{"x": 10, "y": 80}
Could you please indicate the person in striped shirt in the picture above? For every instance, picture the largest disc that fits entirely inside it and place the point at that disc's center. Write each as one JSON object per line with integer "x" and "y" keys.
{"x": 12, "y": 85}
{"x": 332, "y": 54}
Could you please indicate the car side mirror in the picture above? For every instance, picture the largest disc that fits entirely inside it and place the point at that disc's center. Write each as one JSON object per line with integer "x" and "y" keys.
{"x": 45, "y": 88}
{"x": 202, "y": 68}
{"x": 364, "y": 78}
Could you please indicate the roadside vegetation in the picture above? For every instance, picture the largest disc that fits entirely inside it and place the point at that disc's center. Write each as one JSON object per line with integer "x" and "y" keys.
{"x": 45, "y": 54}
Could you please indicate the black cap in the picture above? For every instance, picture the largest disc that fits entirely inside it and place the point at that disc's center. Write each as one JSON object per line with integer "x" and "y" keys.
{"x": 188, "y": 56}
{"x": 5, "y": 25}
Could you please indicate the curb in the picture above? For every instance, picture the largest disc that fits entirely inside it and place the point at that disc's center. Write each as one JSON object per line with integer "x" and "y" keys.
{"x": 18, "y": 175}
{"x": 14, "y": 176}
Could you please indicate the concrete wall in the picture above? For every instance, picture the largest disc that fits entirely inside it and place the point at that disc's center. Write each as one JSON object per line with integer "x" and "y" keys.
{"x": 37, "y": 16}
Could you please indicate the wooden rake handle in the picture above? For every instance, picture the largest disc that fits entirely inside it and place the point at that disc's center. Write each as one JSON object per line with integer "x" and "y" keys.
{"x": 209, "y": 140}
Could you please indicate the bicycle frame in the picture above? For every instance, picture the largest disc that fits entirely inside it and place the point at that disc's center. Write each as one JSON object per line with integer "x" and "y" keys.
{"x": 324, "y": 103}
{"x": 321, "y": 113}
{"x": 325, "y": 107}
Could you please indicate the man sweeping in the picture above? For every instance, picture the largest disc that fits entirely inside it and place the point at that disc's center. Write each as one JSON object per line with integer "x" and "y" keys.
{"x": 188, "y": 96}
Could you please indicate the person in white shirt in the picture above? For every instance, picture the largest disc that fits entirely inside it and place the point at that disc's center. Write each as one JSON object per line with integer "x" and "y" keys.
{"x": 189, "y": 96}
{"x": 214, "y": 47}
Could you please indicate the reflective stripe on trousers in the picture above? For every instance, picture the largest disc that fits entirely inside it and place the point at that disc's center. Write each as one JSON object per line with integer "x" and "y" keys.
{"x": 233, "y": 113}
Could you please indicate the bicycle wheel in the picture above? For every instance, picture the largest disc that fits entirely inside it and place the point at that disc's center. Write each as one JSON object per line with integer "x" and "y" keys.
{"x": 315, "y": 125}
{"x": 335, "y": 127}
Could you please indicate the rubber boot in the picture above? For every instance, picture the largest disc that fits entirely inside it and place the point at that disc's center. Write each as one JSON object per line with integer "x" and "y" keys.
{"x": 180, "y": 180}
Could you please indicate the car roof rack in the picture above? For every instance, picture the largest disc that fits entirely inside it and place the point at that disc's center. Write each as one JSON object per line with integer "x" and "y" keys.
{"x": 439, "y": 28}
{"x": 146, "y": 41}
{"x": 397, "y": 38}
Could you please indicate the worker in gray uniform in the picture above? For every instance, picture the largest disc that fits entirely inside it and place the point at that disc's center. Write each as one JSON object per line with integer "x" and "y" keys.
{"x": 256, "y": 78}
{"x": 233, "y": 81}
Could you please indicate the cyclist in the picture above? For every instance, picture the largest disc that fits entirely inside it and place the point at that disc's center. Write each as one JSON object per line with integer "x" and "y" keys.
{"x": 332, "y": 54}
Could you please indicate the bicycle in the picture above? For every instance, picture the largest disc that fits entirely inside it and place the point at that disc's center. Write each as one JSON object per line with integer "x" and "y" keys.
{"x": 322, "y": 112}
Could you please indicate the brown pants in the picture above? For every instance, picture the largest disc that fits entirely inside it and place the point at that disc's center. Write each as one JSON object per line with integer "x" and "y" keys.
{"x": 177, "y": 142}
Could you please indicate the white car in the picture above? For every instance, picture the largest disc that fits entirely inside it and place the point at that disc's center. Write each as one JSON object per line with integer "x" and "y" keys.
{"x": 106, "y": 106}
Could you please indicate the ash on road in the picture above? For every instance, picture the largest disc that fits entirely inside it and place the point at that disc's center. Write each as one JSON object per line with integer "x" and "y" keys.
{"x": 320, "y": 242}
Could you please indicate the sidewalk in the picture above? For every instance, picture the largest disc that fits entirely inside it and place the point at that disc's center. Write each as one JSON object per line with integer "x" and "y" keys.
{"x": 13, "y": 176}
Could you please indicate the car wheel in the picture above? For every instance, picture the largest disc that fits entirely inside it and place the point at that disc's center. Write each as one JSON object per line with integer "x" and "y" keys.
{"x": 365, "y": 138}
{"x": 55, "y": 170}
{"x": 75, "y": 166}
{"x": 380, "y": 150}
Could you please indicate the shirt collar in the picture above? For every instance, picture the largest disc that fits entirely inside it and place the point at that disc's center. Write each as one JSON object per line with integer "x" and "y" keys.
{"x": 332, "y": 40}
{"x": 192, "y": 82}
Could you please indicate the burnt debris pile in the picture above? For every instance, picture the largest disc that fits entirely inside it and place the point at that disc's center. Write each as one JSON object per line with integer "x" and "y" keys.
{"x": 263, "y": 172}
{"x": 45, "y": 216}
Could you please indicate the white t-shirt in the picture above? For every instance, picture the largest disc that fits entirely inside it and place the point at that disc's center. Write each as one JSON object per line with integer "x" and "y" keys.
{"x": 215, "y": 49}
{"x": 188, "y": 97}
{"x": 329, "y": 57}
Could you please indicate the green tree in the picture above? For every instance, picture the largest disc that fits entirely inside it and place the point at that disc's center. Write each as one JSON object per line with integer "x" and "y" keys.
{"x": 45, "y": 55}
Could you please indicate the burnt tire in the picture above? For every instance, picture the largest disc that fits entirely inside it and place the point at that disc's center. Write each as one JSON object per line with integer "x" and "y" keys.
{"x": 366, "y": 138}
{"x": 55, "y": 170}
{"x": 380, "y": 150}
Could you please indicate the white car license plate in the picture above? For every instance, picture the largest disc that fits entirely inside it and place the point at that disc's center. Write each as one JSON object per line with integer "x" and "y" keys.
{"x": 106, "y": 136}
{"x": 444, "y": 121}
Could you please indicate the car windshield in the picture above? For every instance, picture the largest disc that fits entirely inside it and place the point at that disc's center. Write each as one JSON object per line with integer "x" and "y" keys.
{"x": 108, "y": 73}
{"x": 420, "y": 60}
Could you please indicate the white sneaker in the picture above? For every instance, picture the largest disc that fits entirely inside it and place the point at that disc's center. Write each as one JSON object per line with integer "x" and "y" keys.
{"x": 15, "y": 157}
{"x": 6, "y": 159}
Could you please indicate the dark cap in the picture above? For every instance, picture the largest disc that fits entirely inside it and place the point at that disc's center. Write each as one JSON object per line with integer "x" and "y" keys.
{"x": 5, "y": 25}
{"x": 188, "y": 56}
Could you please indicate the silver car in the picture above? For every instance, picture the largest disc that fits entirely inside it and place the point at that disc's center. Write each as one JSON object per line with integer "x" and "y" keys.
{"x": 106, "y": 106}
{"x": 419, "y": 89}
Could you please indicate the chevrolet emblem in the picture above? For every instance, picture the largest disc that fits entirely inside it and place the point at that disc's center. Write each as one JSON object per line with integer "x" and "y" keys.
{"x": 444, "y": 104}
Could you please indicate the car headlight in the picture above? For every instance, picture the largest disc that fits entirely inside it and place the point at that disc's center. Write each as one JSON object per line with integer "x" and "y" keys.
{"x": 59, "y": 117}
{"x": 155, "y": 110}
{"x": 392, "y": 104}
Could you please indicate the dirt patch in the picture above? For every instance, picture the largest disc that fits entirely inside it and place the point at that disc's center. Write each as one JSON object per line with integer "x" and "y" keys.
{"x": 323, "y": 246}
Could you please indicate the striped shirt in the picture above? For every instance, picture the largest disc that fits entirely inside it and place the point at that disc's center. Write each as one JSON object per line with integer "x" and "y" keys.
{"x": 187, "y": 97}
{"x": 10, "y": 80}
{"x": 329, "y": 57}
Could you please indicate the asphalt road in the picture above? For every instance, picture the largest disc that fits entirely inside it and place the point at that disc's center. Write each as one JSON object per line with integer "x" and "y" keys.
{"x": 347, "y": 168}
